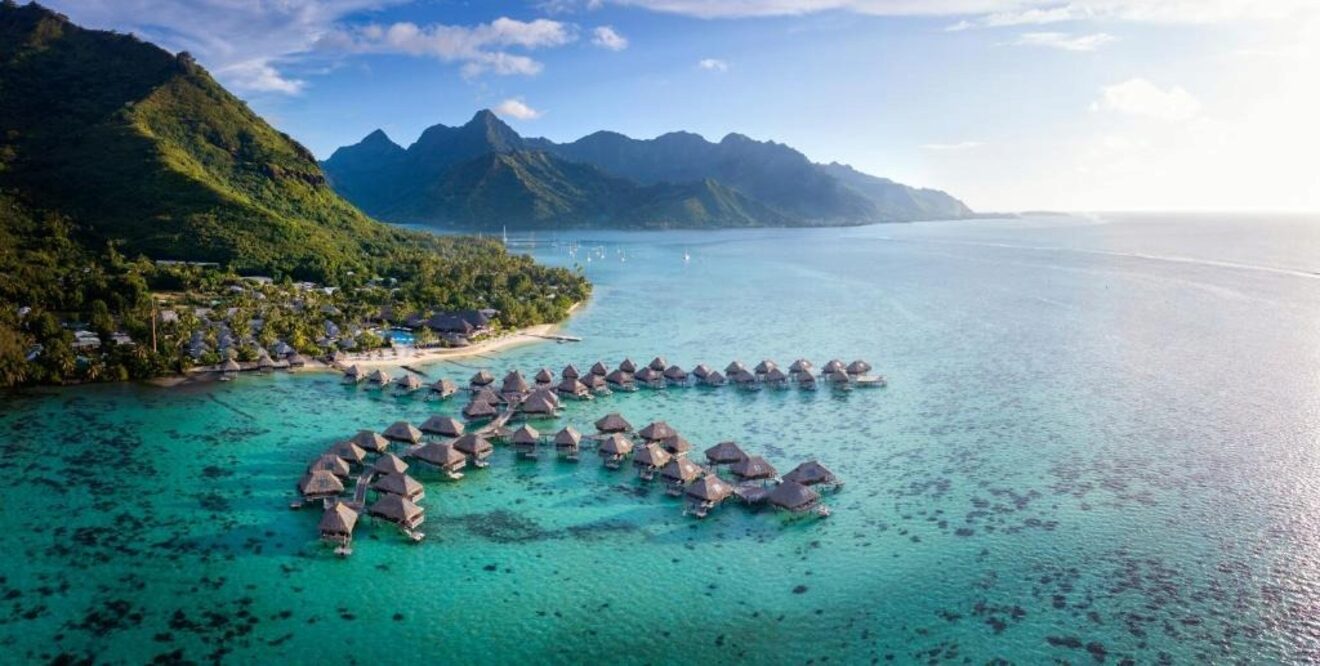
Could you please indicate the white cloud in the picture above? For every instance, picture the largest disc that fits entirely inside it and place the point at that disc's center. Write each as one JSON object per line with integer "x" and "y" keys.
{"x": 607, "y": 37}
{"x": 516, "y": 108}
{"x": 1064, "y": 41}
{"x": 1139, "y": 97}
{"x": 952, "y": 147}
{"x": 713, "y": 65}
{"x": 479, "y": 48}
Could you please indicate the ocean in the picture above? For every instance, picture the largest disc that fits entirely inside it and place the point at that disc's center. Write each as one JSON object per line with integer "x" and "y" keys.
{"x": 1100, "y": 442}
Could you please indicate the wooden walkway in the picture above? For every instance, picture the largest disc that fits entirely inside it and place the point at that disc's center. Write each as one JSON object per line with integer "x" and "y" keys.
{"x": 499, "y": 421}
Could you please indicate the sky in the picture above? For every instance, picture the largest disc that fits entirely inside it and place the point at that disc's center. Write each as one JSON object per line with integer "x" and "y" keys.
{"x": 1010, "y": 105}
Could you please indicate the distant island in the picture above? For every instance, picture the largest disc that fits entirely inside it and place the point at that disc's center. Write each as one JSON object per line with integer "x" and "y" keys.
{"x": 136, "y": 194}
{"x": 484, "y": 176}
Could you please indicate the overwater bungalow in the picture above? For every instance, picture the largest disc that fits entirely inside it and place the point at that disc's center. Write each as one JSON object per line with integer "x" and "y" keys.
{"x": 734, "y": 368}
{"x": 442, "y": 426}
{"x": 570, "y": 371}
{"x": 479, "y": 409}
{"x": 599, "y": 369}
{"x": 403, "y": 433}
{"x": 319, "y": 484}
{"x": 379, "y": 378}
{"x": 859, "y": 367}
{"x": 753, "y": 468}
{"x": 514, "y": 384}
{"x": 475, "y": 447}
{"x": 621, "y": 380}
{"x": 776, "y": 378}
{"x": 751, "y": 493}
{"x": 389, "y": 464}
{"x": 612, "y": 423}
{"x": 296, "y": 360}
{"x": 650, "y": 377}
{"x": 329, "y": 462}
{"x": 838, "y": 379}
{"x": 658, "y": 364}
{"x": 489, "y": 395}
{"x": 525, "y": 440}
{"x": 679, "y": 472}
{"x": 371, "y": 441}
{"x": 706, "y": 493}
{"x": 353, "y": 374}
{"x": 230, "y": 367}
{"x": 725, "y": 453}
{"x": 676, "y": 444}
{"x": 544, "y": 377}
{"x": 540, "y": 403}
{"x": 657, "y": 431}
{"x": 264, "y": 363}
{"x": 812, "y": 473}
{"x": 745, "y": 380}
{"x": 676, "y": 376}
{"x": 443, "y": 388}
{"x": 805, "y": 380}
{"x": 398, "y": 510}
{"x": 481, "y": 378}
{"x": 597, "y": 384}
{"x": 800, "y": 365}
{"x": 407, "y": 384}
{"x": 614, "y": 449}
{"x": 348, "y": 452}
{"x": 714, "y": 379}
{"x": 797, "y": 498}
{"x": 337, "y": 525}
{"x": 832, "y": 366}
{"x": 701, "y": 372}
{"x": 650, "y": 459}
{"x": 572, "y": 387}
{"x": 399, "y": 484}
{"x": 765, "y": 366}
{"x": 628, "y": 366}
{"x": 568, "y": 442}
{"x": 442, "y": 456}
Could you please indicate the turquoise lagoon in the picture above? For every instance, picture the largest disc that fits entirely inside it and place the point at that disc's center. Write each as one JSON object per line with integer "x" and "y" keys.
{"x": 1100, "y": 443}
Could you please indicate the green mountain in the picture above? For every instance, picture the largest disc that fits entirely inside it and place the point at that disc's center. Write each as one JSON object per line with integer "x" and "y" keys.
{"x": 484, "y": 175}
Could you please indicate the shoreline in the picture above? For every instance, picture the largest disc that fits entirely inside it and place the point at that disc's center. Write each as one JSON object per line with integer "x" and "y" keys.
{"x": 409, "y": 355}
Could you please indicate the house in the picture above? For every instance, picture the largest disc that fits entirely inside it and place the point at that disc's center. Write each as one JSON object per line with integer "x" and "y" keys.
{"x": 86, "y": 340}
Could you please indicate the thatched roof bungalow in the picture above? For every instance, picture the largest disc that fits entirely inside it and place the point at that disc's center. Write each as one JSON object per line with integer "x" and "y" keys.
{"x": 650, "y": 459}
{"x": 403, "y": 432}
{"x": 793, "y": 496}
{"x": 389, "y": 464}
{"x": 482, "y": 377}
{"x": 776, "y": 377}
{"x": 676, "y": 375}
{"x": 570, "y": 371}
{"x": 679, "y": 472}
{"x": 612, "y": 423}
{"x": 443, "y": 426}
{"x": 806, "y": 380}
{"x": 725, "y": 453}
{"x": 379, "y": 377}
{"x": 230, "y": 366}
{"x": 348, "y": 451}
{"x": 734, "y": 368}
{"x": 628, "y": 366}
{"x": 597, "y": 384}
{"x": 657, "y": 431}
{"x": 514, "y": 384}
{"x": 319, "y": 484}
{"x": 264, "y": 362}
{"x": 353, "y": 374}
{"x": 568, "y": 442}
{"x": 397, "y": 510}
{"x": 525, "y": 440}
{"x": 838, "y": 378}
{"x": 408, "y": 383}
{"x": 399, "y": 484}
{"x": 620, "y": 379}
{"x": 701, "y": 371}
{"x": 614, "y": 449}
{"x": 650, "y": 377}
{"x": 707, "y": 492}
{"x": 541, "y": 403}
{"x": 714, "y": 379}
{"x": 442, "y": 456}
{"x": 859, "y": 367}
{"x": 297, "y": 360}
{"x": 337, "y": 523}
{"x": 544, "y": 376}
{"x": 371, "y": 441}
{"x": 573, "y": 387}
{"x": 766, "y": 366}
{"x": 599, "y": 369}
{"x": 812, "y": 473}
{"x": 479, "y": 409}
{"x": 329, "y": 462}
{"x": 475, "y": 447}
{"x": 676, "y": 444}
{"x": 800, "y": 365}
{"x": 444, "y": 388}
{"x": 658, "y": 364}
{"x": 833, "y": 365}
{"x": 753, "y": 468}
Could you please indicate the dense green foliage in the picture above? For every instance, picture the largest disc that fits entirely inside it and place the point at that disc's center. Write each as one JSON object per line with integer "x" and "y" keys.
{"x": 483, "y": 175}
{"x": 113, "y": 148}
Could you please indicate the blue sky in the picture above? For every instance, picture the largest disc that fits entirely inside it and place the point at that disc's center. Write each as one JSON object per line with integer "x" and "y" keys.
{"x": 1008, "y": 104}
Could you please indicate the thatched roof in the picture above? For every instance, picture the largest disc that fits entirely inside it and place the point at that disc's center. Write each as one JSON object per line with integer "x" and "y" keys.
{"x": 402, "y": 431}
{"x": 353, "y": 372}
{"x": 775, "y": 375}
{"x": 628, "y": 366}
{"x": 810, "y": 473}
{"x": 444, "y": 426}
{"x": 710, "y": 488}
{"x": 751, "y": 493}
{"x": 834, "y": 364}
{"x": 675, "y": 373}
{"x": 514, "y": 383}
{"x": 859, "y": 367}
{"x": 676, "y": 444}
{"x": 479, "y": 409}
{"x": 440, "y": 455}
{"x": 793, "y": 496}
{"x": 339, "y": 520}
{"x": 473, "y": 444}
{"x": 657, "y": 430}
{"x": 544, "y": 376}
{"x": 409, "y": 383}
{"x": 320, "y": 483}
{"x": 613, "y": 422}
{"x": 230, "y": 365}
{"x": 681, "y": 469}
{"x": 805, "y": 377}
{"x": 487, "y": 394}
{"x": 743, "y": 377}
{"x": 652, "y": 455}
{"x": 734, "y": 368}
{"x": 349, "y": 451}
{"x": 444, "y": 387}
{"x": 395, "y": 509}
{"x": 296, "y": 360}
{"x": 800, "y": 365}
{"x": 481, "y": 378}
{"x": 370, "y": 441}
{"x": 330, "y": 462}
{"x": 725, "y": 453}
{"x": 619, "y": 377}
{"x": 379, "y": 376}
{"x": 599, "y": 368}
{"x": 714, "y": 377}
{"x": 568, "y": 437}
{"x": 264, "y": 361}
{"x": 765, "y": 366}
{"x": 526, "y": 435}
{"x": 649, "y": 374}
{"x": 615, "y": 445}
{"x": 838, "y": 377}
{"x": 595, "y": 381}
{"x": 539, "y": 403}
{"x": 390, "y": 464}
{"x": 570, "y": 372}
{"x": 397, "y": 484}
{"x": 701, "y": 371}
{"x": 753, "y": 467}
{"x": 572, "y": 386}
{"x": 658, "y": 364}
